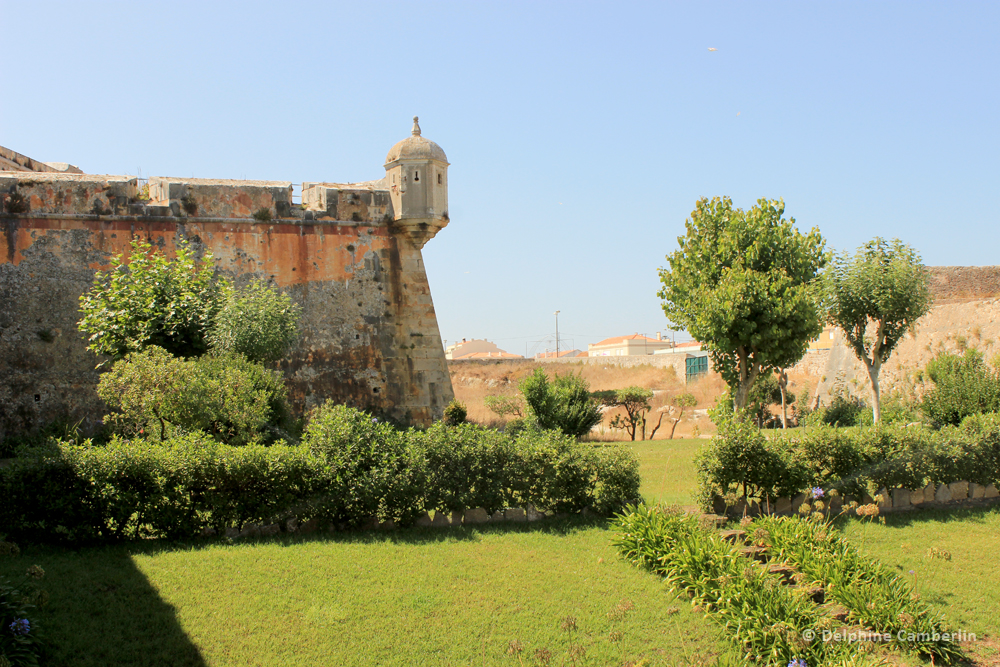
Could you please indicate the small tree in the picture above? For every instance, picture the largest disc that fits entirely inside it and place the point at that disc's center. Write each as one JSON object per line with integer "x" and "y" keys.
{"x": 256, "y": 321}
{"x": 875, "y": 297}
{"x": 151, "y": 300}
{"x": 563, "y": 404}
{"x": 680, "y": 401}
{"x": 743, "y": 283}
{"x": 503, "y": 405}
{"x": 635, "y": 401}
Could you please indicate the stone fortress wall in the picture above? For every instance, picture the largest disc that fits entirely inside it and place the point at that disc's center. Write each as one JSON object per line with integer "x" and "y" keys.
{"x": 350, "y": 255}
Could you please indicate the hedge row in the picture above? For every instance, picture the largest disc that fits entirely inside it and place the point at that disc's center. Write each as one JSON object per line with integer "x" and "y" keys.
{"x": 349, "y": 469}
{"x": 743, "y": 460}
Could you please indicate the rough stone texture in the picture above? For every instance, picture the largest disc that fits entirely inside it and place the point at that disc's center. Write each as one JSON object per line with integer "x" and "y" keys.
{"x": 533, "y": 514}
{"x": 959, "y": 490}
{"x": 943, "y": 494}
{"x": 836, "y": 504}
{"x": 719, "y": 505}
{"x": 797, "y": 502}
{"x": 515, "y": 514}
{"x": 425, "y": 520}
{"x": 976, "y": 490}
{"x": 900, "y": 498}
{"x": 498, "y": 516}
{"x": 991, "y": 492}
{"x": 783, "y": 506}
{"x": 917, "y": 497}
{"x": 292, "y": 525}
{"x": 886, "y": 503}
{"x": 441, "y": 520}
{"x": 929, "y": 492}
{"x": 270, "y": 529}
{"x": 475, "y": 515}
{"x": 370, "y": 335}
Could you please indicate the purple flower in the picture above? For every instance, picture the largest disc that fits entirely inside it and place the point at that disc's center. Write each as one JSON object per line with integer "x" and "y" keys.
{"x": 374, "y": 420}
{"x": 21, "y": 626}
{"x": 912, "y": 572}
{"x": 817, "y": 493}
{"x": 796, "y": 662}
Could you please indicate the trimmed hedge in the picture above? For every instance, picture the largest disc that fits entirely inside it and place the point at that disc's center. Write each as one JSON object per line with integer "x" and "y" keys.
{"x": 744, "y": 460}
{"x": 349, "y": 470}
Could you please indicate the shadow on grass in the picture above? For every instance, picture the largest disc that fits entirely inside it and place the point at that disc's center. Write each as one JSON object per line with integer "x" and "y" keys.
{"x": 102, "y": 611}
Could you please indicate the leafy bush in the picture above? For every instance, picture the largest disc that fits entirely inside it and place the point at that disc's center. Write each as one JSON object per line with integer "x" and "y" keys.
{"x": 156, "y": 394}
{"x": 21, "y": 642}
{"x": 740, "y": 459}
{"x": 503, "y": 405}
{"x": 152, "y": 301}
{"x": 963, "y": 385}
{"x": 455, "y": 413}
{"x": 376, "y": 472}
{"x": 257, "y": 322}
{"x": 350, "y": 469}
{"x": 635, "y": 401}
{"x": 844, "y": 410}
{"x": 564, "y": 404}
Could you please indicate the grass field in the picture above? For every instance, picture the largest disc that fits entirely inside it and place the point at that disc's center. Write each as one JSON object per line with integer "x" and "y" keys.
{"x": 496, "y": 595}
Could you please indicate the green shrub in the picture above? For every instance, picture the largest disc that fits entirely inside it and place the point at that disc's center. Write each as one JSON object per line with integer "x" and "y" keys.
{"x": 564, "y": 404}
{"x": 741, "y": 460}
{"x": 151, "y": 300}
{"x": 844, "y": 410}
{"x": 255, "y": 321}
{"x": 21, "y": 640}
{"x": 963, "y": 385}
{"x": 455, "y": 413}
{"x": 376, "y": 472}
{"x": 350, "y": 469}
{"x": 155, "y": 394}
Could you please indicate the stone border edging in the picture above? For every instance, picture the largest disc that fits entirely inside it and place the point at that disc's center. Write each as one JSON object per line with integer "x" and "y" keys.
{"x": 896, "y": 500}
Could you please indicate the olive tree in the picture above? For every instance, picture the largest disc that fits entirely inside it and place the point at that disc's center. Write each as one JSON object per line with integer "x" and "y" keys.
{"x": 744, "y": 283}
{"x": 875, "y": 297}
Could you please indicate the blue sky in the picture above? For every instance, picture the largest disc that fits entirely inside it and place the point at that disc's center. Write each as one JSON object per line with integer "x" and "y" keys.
{"x": 580, "y": 134}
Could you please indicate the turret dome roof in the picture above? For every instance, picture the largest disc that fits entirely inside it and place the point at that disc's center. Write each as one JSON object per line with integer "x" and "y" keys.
{"x": 415, "y": 147}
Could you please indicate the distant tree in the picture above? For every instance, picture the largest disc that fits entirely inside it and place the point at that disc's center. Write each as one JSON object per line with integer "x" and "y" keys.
{"x": 875, "y": 297}
{"x": 503, "y": 405}
{"x": 151, "y": 300}
{"x": 744, "y": 284}
{"x": 680, "y": 401}
{"x": 635, "y": 401}
{"x": 562, "y": 404}
{"x": 455, "y": 413}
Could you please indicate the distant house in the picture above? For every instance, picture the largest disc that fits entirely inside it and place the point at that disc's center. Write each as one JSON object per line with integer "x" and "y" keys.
{"x": 477, "y": 349}
{"x": 563, "y": 354}
{"x": 824, "y": 341}
{"x": 625, "y": 346}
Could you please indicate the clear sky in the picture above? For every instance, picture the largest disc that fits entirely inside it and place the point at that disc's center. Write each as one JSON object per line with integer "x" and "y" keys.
{"x": 580, "y": 134}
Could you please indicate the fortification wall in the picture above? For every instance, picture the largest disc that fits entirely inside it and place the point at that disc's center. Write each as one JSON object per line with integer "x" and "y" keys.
{"x": 956, "y": 284}
{"x": 369, "y": 332}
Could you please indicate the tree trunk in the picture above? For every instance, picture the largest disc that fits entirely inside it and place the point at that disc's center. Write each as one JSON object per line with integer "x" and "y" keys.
{"x": 782, "y": 383}
{"x": 873, "y": 371}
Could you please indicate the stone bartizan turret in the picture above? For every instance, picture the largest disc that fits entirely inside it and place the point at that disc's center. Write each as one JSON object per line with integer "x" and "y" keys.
{"x": 417, "y": 176}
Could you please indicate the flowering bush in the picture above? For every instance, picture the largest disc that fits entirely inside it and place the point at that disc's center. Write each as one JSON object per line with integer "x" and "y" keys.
{"x": 21, "y": 644}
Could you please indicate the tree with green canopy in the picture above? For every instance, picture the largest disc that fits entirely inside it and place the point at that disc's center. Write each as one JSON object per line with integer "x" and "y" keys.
{"x": 875, "y": 297}
{"x": 744, "y": 283}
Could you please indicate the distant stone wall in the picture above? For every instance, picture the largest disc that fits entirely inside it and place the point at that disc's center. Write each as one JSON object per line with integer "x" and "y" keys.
{"x": 370, "y": 334}
{"x": 953, "y": 284}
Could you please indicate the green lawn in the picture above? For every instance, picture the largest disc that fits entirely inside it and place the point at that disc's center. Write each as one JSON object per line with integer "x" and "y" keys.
{"x": 463, "y": 596}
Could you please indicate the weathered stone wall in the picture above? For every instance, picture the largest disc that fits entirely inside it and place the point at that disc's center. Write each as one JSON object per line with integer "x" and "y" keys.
{"x": 952, "y": 284}
{"x": 370, "y": 334}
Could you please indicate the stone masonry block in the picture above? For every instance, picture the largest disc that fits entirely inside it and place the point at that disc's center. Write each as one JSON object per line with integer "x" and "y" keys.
{"x": 425, "y": 520}
{"x": 498, "y": 516}
{"x": 991, "y": 491}
{"x": 886, "y": 503}
{"x": 943, "y": 494}
{"x": 900, "y": 498}
{"x": 441, "y": 520}
{"x": 917, "y": 497}
{"x": 976, "y": 490}
{"x": 959, "y": 490}
{"x": 783, "y": 506}
{"x": 476, "y": 515}
{"x": 515, "y": 514}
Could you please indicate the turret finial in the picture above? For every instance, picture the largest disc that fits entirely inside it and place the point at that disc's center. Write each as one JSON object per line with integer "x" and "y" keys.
{"x": 416, "y": 126}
